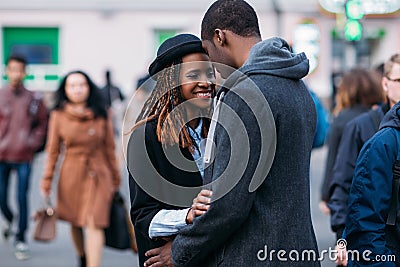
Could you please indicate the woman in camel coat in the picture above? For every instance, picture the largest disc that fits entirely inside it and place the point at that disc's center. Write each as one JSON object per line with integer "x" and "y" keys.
{"x": 81, "y": 130}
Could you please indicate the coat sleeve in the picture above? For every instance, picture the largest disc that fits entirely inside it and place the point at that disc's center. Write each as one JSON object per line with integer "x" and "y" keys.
{"x": 143, "y": 206}
{"x": 335, "y": 134}
{"x": 53, "y": 146}
{"x": 370, "y": 196}
{"x": 342, "y": 176}
{"x": 38, "y": 133}
{"x": 109, "y": 146}
{"x": 226, "y": 214}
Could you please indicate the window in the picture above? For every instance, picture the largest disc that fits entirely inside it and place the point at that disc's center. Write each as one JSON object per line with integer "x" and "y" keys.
{"x": 39, "y": 45}
{"x": 160, "y": 35}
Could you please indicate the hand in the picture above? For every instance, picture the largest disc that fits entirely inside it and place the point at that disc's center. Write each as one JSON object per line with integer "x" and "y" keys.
{"x": 159, "y": 257}
{"x": 324, "y": 208}
{"x": 341, "y": 256}
{"x": 45, "y": 192}
{"x": 200, "y": 205}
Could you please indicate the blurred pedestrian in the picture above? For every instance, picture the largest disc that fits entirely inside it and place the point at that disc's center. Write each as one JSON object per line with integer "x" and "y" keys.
{"x": 144, "y": 86}
{"x": 114, "y": 99}
{"x": 111, "y": 92}
{"x": 355, "y": 134}
{"x": 23, "y": 122}
{"x": 81, "y": 129}
{"x": 358, "y": 91}
{"x": 180, "y": 105}
{"x": 323, "y": 121}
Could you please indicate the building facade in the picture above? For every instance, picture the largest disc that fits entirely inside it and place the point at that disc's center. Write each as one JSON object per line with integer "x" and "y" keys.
{"x": 123, "y": 36}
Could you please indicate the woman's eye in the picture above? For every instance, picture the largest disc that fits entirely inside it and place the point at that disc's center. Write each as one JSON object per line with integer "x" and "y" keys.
{"x": 192, "y": 76}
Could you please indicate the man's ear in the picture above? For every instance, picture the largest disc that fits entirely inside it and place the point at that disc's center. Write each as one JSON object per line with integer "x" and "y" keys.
{"x": 219, "y": 36}
{"x": 384, "y": 84}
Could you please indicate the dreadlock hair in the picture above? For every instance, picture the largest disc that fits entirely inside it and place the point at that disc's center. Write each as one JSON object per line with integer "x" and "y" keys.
{"x": 234, "y": 15}
{"x": 166, "y": 97}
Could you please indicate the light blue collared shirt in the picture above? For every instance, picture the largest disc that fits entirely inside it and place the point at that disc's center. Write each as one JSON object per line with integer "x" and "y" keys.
{"x": 200, "y": 146}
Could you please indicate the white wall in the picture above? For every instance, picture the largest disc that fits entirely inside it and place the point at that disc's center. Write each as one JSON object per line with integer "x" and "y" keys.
{"x": 92, "y": 41}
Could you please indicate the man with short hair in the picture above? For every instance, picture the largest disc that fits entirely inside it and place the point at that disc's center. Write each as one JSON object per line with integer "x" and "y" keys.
{"x": 23, "y": 120}
{"x": 264, "y": 206}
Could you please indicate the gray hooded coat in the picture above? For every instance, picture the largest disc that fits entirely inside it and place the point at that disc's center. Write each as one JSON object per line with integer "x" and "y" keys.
{"x": 249, "y": 217}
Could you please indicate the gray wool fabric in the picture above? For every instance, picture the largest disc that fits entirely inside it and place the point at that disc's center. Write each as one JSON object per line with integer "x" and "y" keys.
{"x": 242, "y": 227}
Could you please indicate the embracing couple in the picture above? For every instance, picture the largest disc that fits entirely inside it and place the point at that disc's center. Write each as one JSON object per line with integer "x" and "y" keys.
{"x": 220, "y": 171}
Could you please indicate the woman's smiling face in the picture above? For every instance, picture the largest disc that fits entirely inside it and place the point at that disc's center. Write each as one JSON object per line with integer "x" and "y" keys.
{"x": 197, "y": 79}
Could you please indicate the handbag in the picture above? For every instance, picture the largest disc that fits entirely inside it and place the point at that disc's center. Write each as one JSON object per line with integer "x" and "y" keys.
{"x": 45, "y": 229}
{"x": 120, "y": 233}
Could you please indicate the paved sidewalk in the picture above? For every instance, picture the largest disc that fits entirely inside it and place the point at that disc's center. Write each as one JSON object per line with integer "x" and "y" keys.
{"x": 60, "y": 252}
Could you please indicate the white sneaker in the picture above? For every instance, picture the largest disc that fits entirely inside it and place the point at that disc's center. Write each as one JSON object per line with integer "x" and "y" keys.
{"x": 21, "y": 251}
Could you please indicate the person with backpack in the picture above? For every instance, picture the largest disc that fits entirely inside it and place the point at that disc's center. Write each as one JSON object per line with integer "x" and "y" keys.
{"x": 372, "y": 227}
{"x": 355, "y": 134}
{"x": 23, "y": 122}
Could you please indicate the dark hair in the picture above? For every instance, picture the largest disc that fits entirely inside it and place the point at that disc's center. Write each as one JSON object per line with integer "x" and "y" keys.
{"x": 18, "y": 58}
{"x": 108, "y": 77}
{"x": 95, "y": 100}
{"x": 234, "y": 15}
{"x": 359, "y": 87}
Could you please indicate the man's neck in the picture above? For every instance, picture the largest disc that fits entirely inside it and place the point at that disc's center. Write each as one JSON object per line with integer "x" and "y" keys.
{"x": 15, "y": 88}
{"x": 241, "y": 48}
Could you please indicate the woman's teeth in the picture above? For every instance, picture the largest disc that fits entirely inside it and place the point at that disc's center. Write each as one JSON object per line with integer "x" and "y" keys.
{"x": 208, "y": 94}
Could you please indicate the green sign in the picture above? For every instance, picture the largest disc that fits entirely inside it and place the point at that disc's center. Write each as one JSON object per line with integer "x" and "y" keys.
{"x": 38, "y": 45}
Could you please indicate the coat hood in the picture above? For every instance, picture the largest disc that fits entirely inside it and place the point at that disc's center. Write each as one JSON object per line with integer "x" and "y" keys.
{"x": 392, "y": 118}
{"x": 273, "y": 56}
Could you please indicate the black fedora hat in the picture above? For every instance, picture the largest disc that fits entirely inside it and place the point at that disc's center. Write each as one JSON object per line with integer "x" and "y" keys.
{"x": 175, "y": 47}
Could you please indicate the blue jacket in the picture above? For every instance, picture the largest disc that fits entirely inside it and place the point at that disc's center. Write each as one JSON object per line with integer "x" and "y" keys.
{"x": 244, "y": 226}
{"x": 370, "y": 196}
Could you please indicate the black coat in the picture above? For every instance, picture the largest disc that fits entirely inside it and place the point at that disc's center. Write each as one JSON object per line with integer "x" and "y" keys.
{"x": 334, "y": 138}
{"x": 145, "y": 154}
{"x": 355, "y": 134}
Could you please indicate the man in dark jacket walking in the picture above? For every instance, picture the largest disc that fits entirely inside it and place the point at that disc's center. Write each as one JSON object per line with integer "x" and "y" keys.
{"x": 263, "y": 139}
{"x": 23, "y": 120}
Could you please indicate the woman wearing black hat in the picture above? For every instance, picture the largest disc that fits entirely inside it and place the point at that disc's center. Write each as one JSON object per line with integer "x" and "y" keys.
{"x": 167, "y": 143}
